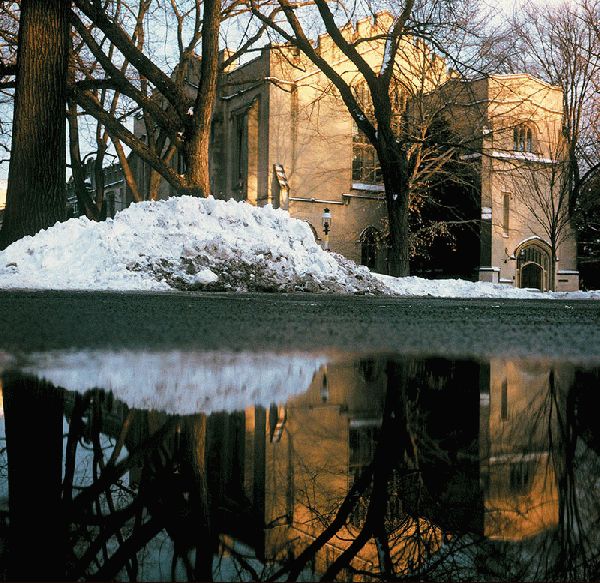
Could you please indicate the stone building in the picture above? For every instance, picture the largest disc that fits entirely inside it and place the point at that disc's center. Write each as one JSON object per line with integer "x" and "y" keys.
{"x": 282, "y": 136}
{"x": 514, "y": 124}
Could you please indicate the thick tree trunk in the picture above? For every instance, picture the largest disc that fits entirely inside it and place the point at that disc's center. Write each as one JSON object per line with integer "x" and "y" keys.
{"x": 396, "y": 195}
{"x": 552, "y": 274}
{"x": 197, "y": 175}
{"x": 36, "y": 196}
{"x": 196, "y": 457}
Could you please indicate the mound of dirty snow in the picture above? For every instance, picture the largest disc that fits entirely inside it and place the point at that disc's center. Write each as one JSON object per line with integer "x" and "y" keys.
{"x": 184, "y": 243}
{"x": 188, "y": 243}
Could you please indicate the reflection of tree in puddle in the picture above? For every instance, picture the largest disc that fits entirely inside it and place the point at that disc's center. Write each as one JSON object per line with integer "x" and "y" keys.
{"x": 371, "y": 436}
{"x": 94, "y": 526}
{"x": 533, "y": 473}
{"x": 383, "y": 469}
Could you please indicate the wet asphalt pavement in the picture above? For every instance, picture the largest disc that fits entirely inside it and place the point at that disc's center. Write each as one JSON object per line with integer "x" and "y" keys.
{"x": 556, "y": 329}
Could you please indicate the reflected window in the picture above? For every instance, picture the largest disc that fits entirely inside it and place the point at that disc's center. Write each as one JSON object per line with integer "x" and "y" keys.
{"x": 521, "y": 476}
{"x": 362, "y": 438}
{"x": 368, "y": 370}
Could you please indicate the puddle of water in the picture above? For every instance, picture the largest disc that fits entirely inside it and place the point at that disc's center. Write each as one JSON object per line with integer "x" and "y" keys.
{"x": 243, "y": 466}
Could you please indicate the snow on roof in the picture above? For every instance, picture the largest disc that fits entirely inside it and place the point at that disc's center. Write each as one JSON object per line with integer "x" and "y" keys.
{"x": 189, "y": 243}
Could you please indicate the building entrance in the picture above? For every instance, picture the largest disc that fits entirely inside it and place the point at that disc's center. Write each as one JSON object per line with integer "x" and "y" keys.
{"x": 533, "y": 264}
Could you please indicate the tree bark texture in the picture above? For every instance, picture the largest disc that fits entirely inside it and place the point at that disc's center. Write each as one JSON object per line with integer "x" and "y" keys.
{"x": 395, "y": 178}
{"x": 197, "y": 148}
{"x": 36, "y": 196}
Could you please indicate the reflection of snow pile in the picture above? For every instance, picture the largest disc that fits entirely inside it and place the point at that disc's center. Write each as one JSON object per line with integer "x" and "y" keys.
{"x": 183, "y": 243}
{"x": 177, "y": 382}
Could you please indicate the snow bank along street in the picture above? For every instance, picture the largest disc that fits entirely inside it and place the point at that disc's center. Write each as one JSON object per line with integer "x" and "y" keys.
{"x": 190, "y": 243}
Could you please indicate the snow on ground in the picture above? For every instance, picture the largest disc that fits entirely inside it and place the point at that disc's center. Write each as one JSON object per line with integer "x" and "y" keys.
{"x": 460, "y": 288}
{"x": 190, "y": 243}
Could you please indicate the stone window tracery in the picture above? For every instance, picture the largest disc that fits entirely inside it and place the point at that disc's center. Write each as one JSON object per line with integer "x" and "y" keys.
{"x": 365, "y": 163}
{"x": 522, "y": 138}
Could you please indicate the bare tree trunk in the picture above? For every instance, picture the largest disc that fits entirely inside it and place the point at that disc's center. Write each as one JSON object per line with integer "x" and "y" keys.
{"x": 552, "y": 274}
{"x": 36, "y": 196}
{"x": 197, "y": 148}
{"x": 127, "y": 171}
{"x": 155, "y": 176}
{"x": 195, "y": 458}
{"x": 393, "y": 169}
{"x": 154, "y": 184}
{"x": 86, "y": 204}
{"x": 99, "y": 174}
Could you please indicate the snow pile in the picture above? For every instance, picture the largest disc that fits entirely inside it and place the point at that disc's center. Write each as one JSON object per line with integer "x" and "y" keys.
{"x": 183, "y": 243}
{"x": 180, "y": 382}
{"x": 190, "y": 243}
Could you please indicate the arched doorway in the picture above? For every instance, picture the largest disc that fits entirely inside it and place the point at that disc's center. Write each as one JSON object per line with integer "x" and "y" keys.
{"x": 369, "y": 243}
{"x": 533, "y": 264}
{"x": 532, "y": 275}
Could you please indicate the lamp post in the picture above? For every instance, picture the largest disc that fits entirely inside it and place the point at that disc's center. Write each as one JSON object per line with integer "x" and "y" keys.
{"x": 326, "y": 220}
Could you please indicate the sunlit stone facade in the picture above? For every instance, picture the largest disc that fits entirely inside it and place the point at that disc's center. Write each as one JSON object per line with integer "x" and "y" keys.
{"x": 281, "y": 135}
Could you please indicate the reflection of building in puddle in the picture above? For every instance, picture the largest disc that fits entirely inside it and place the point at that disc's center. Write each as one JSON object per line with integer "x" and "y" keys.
{"x": 277, "y": 475}
{"x": 330, "y": 437}
{"x": 317, "y": 445}
{"x": 518, "y": 420}
{"x": 315, "y": 448}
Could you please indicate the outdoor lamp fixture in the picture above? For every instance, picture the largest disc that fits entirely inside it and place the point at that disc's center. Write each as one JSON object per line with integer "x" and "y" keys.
{"x": 509, "y": 257}
{"x": 326, "y": 220}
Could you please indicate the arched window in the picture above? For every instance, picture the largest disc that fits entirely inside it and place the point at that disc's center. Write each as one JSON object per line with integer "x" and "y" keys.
{"x": 522, "y": 138}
